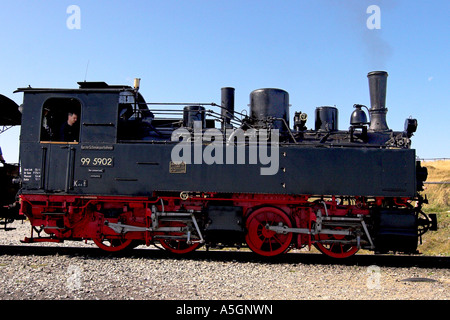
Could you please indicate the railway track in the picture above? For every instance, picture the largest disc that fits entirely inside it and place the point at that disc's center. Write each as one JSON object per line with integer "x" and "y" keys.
{"x": 243, "y": 256}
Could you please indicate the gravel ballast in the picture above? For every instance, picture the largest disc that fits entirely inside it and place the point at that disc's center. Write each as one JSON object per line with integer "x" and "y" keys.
{"x": 156, "y": 276}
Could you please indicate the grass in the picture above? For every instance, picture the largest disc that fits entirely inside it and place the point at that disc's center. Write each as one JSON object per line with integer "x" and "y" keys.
{"x": 437, "y": 243}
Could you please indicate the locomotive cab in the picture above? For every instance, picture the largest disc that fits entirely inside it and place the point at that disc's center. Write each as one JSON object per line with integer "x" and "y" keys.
{"x": 57, "y": 125}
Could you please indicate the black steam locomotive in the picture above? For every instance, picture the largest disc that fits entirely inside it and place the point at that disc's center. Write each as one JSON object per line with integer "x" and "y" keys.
{"x": 100, "y": 163}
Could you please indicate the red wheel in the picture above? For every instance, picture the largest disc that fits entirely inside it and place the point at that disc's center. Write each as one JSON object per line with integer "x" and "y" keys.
{"x": 263, "y": 241}
{"x": 335, "y": 249}
{"x": 114, "y": 245}
{"x": 178, "y": 246}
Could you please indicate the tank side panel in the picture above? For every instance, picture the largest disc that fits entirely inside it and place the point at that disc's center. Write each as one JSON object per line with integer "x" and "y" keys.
{"x": 139, "y": 169}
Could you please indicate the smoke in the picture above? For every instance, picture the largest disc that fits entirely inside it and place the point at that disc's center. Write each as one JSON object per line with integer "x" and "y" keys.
{"x": 375, "y": 49}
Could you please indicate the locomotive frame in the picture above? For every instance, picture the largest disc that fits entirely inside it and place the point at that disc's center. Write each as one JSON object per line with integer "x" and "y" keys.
{"x": 118, "y": 184}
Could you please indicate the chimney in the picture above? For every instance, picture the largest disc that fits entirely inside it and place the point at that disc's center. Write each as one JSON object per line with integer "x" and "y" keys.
{"x": 378, "y": 110}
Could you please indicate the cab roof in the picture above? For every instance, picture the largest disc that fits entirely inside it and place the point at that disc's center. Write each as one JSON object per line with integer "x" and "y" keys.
{"x": 84, "y": 86}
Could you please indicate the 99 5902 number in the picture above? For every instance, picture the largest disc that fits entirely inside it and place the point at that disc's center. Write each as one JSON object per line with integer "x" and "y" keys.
{"x": 97, "y": 162}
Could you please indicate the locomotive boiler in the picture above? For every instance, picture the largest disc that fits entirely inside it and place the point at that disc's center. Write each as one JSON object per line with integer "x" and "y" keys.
{"x": 127, "y": 172}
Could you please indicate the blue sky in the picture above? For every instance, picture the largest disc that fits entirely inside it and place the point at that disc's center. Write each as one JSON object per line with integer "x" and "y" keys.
{"x": 184, "y": 51}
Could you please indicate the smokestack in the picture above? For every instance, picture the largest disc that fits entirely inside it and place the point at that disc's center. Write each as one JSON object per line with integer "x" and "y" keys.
{"x": 227, "y": 106}
{"x": 378, "y": 110}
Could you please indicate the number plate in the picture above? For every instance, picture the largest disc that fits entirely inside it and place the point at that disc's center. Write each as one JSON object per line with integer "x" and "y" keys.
{"x": 97, "y": 161}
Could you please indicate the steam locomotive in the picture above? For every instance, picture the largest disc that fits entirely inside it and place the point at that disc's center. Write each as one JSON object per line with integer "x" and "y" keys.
{"x": 100, "y": 163}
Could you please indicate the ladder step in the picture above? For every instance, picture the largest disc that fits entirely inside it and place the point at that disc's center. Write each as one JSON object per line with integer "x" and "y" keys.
{"x": 34, "y": 240}
{"x": 54, "y": 213}
{"x": 54, "y": 228}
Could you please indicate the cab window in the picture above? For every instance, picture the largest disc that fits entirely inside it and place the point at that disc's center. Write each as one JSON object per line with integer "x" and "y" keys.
{"x": 60, "y": 120}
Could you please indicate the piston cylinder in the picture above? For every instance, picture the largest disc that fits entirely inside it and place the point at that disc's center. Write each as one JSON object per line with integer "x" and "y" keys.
{"x": 396, "y": 230}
